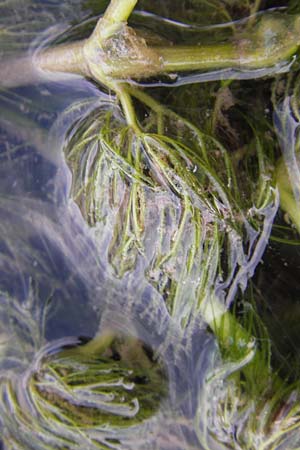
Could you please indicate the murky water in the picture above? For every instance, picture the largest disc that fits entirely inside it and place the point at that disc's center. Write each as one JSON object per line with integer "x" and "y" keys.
{"x": 128, "y": 312}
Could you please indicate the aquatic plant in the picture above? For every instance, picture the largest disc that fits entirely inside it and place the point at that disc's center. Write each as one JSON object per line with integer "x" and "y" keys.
{"x": 184, "y": 208}
{"x": 287, "y": 121}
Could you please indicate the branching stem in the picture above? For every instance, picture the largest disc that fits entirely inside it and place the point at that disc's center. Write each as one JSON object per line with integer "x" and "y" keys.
{"x": 115, "y": 52}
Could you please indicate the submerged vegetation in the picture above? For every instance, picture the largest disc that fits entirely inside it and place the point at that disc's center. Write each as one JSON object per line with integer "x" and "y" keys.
{"x": 182, "y": 162}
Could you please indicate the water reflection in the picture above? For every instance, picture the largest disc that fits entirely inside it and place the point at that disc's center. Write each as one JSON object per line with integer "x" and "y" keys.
{"x": 56, "y": 286}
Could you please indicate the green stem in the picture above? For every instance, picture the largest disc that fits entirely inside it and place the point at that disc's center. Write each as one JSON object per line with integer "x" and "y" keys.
{"x": 190, "y": 58}
{"x": 128, "y": 109}
{"x": 95, "y": 57}
{"x": 204, "y": 58}
{"x": 115, "y": 16}
{"x": 60, "y": 60}
{"x": 64, "y": 58}
{"x": 119, "y": 11}
{"x": 98, "y": 345}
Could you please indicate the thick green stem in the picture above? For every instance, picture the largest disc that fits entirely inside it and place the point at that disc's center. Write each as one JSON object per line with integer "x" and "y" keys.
{"x": 191, "y": 58}
{"x": 115, "y": 52}
{"x": 60, "y": 60}
{"x": 115, "y": 16}
{"x": 182, "y": 59}
{"x": 119, "y": 11}
{"x": 273, "y": 40}
{"x": 160, "y": 60}
{"x": 64, "y": 58}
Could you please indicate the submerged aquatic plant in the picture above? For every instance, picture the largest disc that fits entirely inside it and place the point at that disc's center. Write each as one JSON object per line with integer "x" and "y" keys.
{"x": 72, "y": 399}
{"x": 286, "y": 101}
{"x": 184, "y": 208}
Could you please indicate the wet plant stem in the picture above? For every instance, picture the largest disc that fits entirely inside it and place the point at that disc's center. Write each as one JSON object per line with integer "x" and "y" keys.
{"x": 115, "y": 52}
{"x": 118, "y": 11}
{"x": 128, "y": 109}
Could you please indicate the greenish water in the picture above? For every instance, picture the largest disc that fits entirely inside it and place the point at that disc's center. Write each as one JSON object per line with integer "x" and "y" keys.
{"x": 119, "y": 253}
